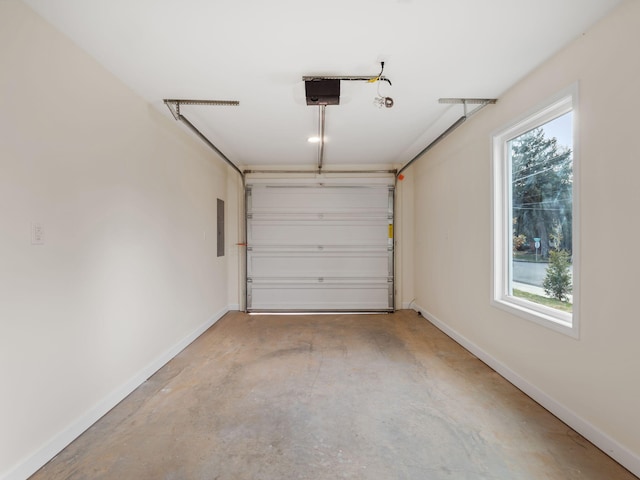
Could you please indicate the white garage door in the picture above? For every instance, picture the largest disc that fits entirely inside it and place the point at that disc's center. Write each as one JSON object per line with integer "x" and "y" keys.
{"x": 320, "y": 246}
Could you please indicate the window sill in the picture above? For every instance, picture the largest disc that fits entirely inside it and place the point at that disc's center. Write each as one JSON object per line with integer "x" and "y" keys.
{"x": 556, "y": 320}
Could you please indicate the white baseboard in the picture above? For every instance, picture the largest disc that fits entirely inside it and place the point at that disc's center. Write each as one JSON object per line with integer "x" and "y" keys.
{"x": 54, "y": 446}
{"x": 611, "y": 447}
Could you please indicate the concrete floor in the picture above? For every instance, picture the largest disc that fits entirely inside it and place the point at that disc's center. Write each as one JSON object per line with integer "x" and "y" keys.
{"x": 323, "y": 397}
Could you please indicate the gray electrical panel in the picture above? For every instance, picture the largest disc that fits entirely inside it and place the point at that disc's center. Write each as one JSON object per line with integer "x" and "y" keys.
{"x": 220, "y": 234}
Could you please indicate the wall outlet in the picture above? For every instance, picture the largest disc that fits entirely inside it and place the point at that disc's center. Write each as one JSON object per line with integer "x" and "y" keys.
{"x": 37, "y": 234}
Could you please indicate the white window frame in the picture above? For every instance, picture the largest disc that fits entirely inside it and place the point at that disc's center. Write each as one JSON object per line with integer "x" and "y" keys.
{"x": 502, "y": 244}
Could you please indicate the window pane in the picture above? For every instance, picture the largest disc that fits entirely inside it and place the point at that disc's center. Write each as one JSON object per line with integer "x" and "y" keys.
{"x": 541, "y": 162}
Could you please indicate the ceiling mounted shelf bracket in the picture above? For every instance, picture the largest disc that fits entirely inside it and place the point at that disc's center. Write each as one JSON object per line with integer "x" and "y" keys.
{"x": 224, "y": 103}
{"x": 482, "y": 102}
{"x": 173, "y": 105}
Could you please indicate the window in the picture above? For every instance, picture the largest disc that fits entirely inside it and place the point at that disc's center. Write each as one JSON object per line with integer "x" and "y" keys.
{"x": 534, "y": 216}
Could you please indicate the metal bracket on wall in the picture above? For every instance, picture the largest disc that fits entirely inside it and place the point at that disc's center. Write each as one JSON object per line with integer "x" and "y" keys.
{"x": 173, "y": 105}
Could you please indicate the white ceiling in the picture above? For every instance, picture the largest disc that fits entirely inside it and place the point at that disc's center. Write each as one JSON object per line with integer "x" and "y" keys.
{"x": 257, "y": 51}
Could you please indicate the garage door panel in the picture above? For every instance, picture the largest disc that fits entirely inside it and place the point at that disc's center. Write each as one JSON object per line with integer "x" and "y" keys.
{"x": 299, "y": 296}
{"x": 319, "y": 199}
{"x": 319, "y": 264}
{"x": 348, "y": 232}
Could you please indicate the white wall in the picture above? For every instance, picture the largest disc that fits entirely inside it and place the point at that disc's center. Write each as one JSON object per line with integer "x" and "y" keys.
{"x": 594, "y": 382}
{"x": 128, "y": 273}
{"x": 404, "y": 237}
{"x": 234, "y": 225}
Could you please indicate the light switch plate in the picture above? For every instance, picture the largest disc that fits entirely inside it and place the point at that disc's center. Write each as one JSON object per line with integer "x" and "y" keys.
{"x": 37, "y": 234}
